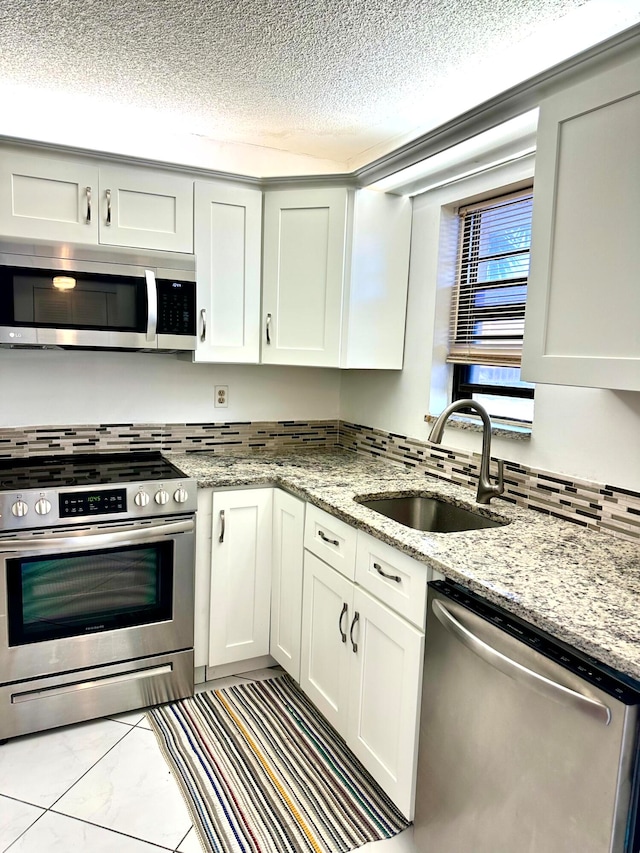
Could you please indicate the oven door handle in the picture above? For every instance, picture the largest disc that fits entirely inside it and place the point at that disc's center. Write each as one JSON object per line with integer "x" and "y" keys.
{"x": 87, "y": 539}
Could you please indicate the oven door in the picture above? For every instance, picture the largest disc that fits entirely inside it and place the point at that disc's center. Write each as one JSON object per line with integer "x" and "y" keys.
{"x": 107, "y": 593}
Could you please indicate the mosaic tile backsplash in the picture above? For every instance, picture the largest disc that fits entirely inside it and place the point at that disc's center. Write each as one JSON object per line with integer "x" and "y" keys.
{"x": 218, "y": 437}
{"x": 597, "y": 506}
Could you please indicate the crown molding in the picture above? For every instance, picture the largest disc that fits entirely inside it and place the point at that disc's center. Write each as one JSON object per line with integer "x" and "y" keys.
{"x": 503, "y": 107}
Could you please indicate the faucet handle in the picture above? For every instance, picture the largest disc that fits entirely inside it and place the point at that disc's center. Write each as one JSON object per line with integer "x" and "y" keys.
{"x": 500, "y": 481}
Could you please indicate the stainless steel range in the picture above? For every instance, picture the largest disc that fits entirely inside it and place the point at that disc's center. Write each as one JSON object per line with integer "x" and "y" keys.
{"x": 96, "y": 587}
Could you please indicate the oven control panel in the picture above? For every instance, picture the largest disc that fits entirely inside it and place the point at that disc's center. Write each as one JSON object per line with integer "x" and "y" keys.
{"x": 41, "y": 508}
{"x": 102, "y": 502}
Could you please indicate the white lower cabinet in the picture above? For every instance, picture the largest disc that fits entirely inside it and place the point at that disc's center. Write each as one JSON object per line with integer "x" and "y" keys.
{"x": 240, "y": 591}
{"x": 385, "y": 684}
{"x": 326, "y": 608}
{"x": 260, "y": 594}
{"x": 286, "y": 581}
{"x": 362, "y": 668}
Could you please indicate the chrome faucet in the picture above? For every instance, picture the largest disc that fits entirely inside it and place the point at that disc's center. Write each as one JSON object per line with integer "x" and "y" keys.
{"x": 486, "y": 489}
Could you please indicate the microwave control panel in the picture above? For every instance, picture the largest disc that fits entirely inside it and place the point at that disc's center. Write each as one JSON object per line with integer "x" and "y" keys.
{"x": 176, "y": 307}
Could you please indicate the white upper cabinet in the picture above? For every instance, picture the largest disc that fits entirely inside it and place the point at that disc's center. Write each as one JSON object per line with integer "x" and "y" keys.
{"x": 583, "y": 303}
{"x": 68, "y": 200}
{"x": 146, "y": 209}
{"x": 304, "y": 256}
{"x": 335, "y": 278}
{"x": 47, "y": 199}
{"x": 228, "y": 235}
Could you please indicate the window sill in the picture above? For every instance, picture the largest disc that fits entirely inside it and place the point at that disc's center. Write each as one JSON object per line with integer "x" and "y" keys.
{"x": 499, "y": 429}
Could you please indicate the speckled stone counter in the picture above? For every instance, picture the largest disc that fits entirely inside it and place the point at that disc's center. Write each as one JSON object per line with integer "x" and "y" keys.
{"x": 580, "y": 586}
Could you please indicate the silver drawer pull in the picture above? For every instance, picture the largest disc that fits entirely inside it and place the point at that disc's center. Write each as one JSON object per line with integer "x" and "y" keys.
{"x": 221, "y": 537}
{"x": 268, "y": 328}
{"x": 356, "y": 618}
{"x": 88, "y": 216}
{"x": 203, "y": 321}
{"x": 108, "y": 194}
{"x": 343, "y": 636}
{"x": 325, "y": 538}
{"x": 378, "y": 569}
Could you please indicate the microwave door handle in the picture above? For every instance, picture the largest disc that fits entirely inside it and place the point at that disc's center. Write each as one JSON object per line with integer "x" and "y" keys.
{"x": 88, "y": 539}
{"x": 152, "y": 305}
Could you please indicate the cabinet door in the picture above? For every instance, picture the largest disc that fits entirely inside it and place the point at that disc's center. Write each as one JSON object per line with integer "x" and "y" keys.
{"x": 146, "y": 209}
{"x": 384, "y": 698}
{"x": 373, "y": 332}
{"x": 286, "y": 581}
{"x": 304, "y": 259}
{"x": 47, "y": 199}
{"x": 324, "y": 666}
{"x": 228, "y": 235}
{"x": 240, "y": 575}
{"x": 583, "y": 302}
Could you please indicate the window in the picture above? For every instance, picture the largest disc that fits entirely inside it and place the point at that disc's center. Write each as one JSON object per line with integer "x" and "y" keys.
{"x": 487, "y": 317}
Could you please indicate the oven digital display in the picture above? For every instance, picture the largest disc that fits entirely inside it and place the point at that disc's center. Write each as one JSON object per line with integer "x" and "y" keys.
{"x": 105, "y": 501}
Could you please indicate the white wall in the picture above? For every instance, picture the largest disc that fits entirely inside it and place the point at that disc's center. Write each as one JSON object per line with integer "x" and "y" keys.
{"x": 71, "y": 387}
{"x": 585, "y": 433}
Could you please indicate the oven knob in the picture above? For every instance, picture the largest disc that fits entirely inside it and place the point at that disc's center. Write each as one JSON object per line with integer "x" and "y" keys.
{"x": 141, "y": 498}
{"x": 161, "y": 497}
{"x": 19, "y": 509}
{"x": 43, "y": 506}
{"x": 180, "y": 495}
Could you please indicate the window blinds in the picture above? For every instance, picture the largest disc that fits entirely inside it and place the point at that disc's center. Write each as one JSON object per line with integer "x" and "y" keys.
{"x": 487, "y": 316}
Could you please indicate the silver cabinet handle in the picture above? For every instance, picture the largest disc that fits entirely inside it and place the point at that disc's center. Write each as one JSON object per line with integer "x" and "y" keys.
{"x": 108, "y": 193}
{"x": 343, "y": 636}
{"x": 378, "y": 569}
{"x": 203, "y": 322}
{"x": 221, "y": 537}
{"x": 354, "y": 622}
{"x": 325, "y": 538}
{"x": 268, "y": 328}
{"x": 542, "y": 685}
{"x": 88, "y": 205}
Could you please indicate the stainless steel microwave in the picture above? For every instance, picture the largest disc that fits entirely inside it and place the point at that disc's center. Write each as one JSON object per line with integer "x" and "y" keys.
{"x": 92, "y": 297}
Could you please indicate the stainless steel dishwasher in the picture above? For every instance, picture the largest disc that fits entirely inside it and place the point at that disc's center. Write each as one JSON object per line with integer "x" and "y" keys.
{"x": 526, "y": 746}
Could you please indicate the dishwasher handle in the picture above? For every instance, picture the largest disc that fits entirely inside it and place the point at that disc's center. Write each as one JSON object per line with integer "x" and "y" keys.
{"x": 542, "y": 685}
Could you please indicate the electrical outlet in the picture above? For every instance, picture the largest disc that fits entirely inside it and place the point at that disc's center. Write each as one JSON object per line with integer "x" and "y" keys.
{"x": 222, "y": 396}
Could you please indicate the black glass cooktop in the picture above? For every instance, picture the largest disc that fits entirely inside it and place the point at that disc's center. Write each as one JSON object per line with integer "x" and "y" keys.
{"x": 51, "y": 472}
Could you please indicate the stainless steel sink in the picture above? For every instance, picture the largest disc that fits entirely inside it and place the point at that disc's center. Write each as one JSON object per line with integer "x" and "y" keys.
{"x": 429, "y": 514}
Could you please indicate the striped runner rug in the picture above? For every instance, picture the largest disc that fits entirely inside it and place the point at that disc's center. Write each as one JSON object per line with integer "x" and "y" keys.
{"x": 263, "y": 772}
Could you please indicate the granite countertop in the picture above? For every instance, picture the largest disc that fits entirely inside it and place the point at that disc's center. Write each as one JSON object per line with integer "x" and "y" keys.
{"x": 581, "y": 586}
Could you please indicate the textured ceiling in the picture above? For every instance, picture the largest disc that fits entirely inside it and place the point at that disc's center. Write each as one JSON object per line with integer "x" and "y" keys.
{"x": 339, "y": 79}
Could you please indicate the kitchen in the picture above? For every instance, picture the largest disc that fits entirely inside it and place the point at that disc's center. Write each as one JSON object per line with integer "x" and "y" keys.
{"x": 583, "y": 434}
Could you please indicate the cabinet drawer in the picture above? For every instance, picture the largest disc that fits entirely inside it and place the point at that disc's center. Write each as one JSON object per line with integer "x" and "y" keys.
{"x": 330, "y": 539}
{"x": 393, "y": 577}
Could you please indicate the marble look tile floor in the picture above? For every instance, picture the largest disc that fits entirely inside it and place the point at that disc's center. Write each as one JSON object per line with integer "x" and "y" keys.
{"x": 104, "y": 786}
